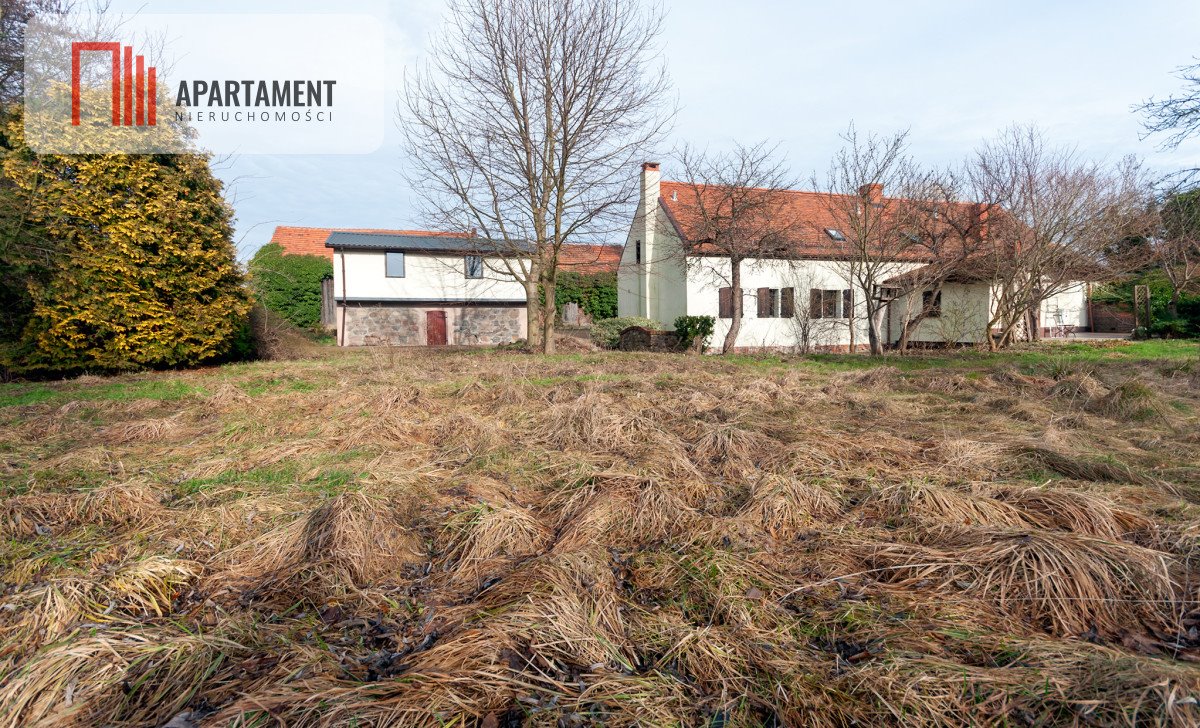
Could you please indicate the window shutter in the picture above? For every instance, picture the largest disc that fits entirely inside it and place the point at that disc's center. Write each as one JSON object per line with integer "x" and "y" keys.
{"x": 814, "y": 303}
{"x": 787, "y": 303}
{"x": 725, "y": 303}
{"x": 847, "y": 302}
{"x": 764, "y": 303}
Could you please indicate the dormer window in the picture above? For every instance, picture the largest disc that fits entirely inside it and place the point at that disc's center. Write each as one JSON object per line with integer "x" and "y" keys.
{"x": 835, "y": 234}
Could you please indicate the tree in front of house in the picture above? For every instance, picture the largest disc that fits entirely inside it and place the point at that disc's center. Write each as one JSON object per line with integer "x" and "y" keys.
{"x": 740, "y": 216}
{"x": 1053, "y": 219}
{"x": 133, "y": 264}
{"x": 877, "y": 238}
{"x": 290, "y": 285}
{"x": 523, "y": 124}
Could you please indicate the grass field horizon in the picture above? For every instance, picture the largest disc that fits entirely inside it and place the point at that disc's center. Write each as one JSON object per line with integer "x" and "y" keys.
{"x": 416, "y": 537}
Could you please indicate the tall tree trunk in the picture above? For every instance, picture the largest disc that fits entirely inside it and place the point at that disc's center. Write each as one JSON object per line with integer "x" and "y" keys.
{"x": 1173, "y": 304}
{"x": 533, "y": 318}
{"x": 875, "y": 327}
{"x": 906, "y": 333}
{"x": 548, "y": 312}
{"x": 735, "y": 294}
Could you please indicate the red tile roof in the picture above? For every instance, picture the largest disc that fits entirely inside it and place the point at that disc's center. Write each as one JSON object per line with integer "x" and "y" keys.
{"x": 803, "y": 216}
{"x": 311, "y": 241}
{"x": 590, "y": 259}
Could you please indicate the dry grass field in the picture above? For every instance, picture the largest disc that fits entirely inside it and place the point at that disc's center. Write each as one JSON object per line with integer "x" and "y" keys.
{"x": 483, "y": 538}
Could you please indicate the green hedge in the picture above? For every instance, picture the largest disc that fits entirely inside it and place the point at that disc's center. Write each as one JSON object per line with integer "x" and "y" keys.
{"x": 290, "y": 285}
{"x": 596, "y": 293}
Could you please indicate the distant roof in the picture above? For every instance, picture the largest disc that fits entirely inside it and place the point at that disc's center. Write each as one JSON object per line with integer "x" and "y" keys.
{"x": 590, "y": 258}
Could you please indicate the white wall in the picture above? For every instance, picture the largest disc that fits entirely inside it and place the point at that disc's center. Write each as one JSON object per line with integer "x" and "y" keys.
{"x": 667, "y": 278}
{"x": 426, "y": 277}
{"x": 1071, "y": 304}
{"x": 707, "y": 275}
{"x": 631, "y": 300}
{"x": 965, "y": 313}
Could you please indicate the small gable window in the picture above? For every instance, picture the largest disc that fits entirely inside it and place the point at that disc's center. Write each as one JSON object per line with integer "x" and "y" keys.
{"x": 394, "y": 264}
{"x": 474, "y": 266}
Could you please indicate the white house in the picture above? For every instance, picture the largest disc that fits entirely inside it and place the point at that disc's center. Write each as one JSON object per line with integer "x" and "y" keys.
{"x": 801, "y": 299}
{"x": 424, "y": 288}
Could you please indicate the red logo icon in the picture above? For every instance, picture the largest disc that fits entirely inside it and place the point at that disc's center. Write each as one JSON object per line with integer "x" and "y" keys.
{"x": 140, "y": 100}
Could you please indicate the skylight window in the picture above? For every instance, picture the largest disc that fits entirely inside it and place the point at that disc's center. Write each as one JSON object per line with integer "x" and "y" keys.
{"x": 835, "y": 234}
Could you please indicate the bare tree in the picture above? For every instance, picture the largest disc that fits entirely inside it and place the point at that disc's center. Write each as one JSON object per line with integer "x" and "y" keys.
{"x": 874, "y": 239}
{"x": 738, "y": 213}
{"x": 524, "y": 123}
{"x": 1050, "y": 219}
{"x": 1177, "y": 116}
{"x": 810, "y": 330}
{"x": 946, "y": 234}
{"x": 1174, "y": 244}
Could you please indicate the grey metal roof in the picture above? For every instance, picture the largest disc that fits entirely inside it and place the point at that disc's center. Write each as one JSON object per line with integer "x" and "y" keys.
{"x": 422, "y": 243}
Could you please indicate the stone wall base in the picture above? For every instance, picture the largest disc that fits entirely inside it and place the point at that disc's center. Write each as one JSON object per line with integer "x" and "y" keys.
{"x": 398, "y": 324}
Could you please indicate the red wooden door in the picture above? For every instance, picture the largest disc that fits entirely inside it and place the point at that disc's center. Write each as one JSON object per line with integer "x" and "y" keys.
{"x": 435, "y": 328}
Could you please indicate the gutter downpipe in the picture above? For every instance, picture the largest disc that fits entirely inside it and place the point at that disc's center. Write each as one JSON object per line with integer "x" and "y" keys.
{"x": 342, "y": 328}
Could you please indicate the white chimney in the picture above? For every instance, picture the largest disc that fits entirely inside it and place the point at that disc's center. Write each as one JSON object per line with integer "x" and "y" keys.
{"x": 651, "y": 176}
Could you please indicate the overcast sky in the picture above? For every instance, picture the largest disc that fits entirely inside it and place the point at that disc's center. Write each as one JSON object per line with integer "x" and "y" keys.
{"x": 951, "y": 71}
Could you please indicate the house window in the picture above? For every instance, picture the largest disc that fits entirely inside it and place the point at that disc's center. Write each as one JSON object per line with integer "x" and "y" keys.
{"x": 637, "y": 252}
{"x": 776, "y": 302}
{"x": 395, "y": 265}
{"x": 835, "y": 234}
{"x": 829, "y": 304}
{"x": 931, "y": 304}
{"x": 474, "y": 266}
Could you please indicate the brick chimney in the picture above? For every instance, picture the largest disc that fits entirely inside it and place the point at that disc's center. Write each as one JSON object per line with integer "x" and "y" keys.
{"x": 872, "y": 193}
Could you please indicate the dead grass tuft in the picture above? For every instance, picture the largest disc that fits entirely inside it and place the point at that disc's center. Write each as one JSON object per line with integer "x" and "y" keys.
{"x": 143, "y": 431}
{"x": 349, "y": 542}
{"x": 931, "y": 503}
{"x": 786, "y": 506}
{"x": 1063, "y": 583}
